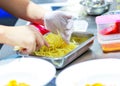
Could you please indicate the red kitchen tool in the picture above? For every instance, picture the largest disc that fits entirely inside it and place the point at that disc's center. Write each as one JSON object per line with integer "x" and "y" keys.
{"x": 41, "y": 28}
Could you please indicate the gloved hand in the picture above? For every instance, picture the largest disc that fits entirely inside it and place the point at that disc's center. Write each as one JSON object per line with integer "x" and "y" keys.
{"x": 59, "y": 22}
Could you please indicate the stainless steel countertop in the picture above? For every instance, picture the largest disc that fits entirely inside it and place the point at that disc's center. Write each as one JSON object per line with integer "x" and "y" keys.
{"x": 95, "y": 51}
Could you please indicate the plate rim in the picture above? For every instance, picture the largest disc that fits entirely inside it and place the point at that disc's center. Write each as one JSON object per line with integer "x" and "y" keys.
{"x": 49, "y": 66}
{"x": 58, "y": 78}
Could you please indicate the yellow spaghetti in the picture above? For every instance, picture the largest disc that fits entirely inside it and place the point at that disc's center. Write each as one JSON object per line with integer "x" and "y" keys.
{"x": 58, "y": 47}
{"x": 15, "y": 83}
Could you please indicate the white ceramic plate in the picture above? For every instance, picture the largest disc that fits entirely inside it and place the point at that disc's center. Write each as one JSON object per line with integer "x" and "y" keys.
{"x": 105, "y": 71}
{"x": 33, "y": 71}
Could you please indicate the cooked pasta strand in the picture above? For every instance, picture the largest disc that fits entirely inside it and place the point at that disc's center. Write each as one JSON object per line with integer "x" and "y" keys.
{"x": 58, "y": 47}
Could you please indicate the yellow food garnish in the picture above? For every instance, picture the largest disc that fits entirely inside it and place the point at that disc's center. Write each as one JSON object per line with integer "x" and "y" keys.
{"x": 58, "y": 47}
{"x": 15, "y": 83}
{"x": 95, "y": 84}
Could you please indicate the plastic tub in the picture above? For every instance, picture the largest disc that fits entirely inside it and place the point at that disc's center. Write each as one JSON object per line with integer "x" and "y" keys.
{"x": 108, "y": 32}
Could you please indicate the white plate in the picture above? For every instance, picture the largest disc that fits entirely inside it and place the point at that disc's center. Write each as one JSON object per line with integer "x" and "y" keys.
{"x": 105, "y": 71}
{"x": 33, "y": 71}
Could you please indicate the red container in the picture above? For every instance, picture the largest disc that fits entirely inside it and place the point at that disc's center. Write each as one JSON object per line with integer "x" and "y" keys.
{"x": 108, "y": 32}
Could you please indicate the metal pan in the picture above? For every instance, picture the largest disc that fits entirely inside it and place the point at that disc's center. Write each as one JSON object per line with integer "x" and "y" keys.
{"x": 83, "y": 46}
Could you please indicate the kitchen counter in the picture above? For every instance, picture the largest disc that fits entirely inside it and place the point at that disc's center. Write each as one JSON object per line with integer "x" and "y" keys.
{"x": 95, "y": 51}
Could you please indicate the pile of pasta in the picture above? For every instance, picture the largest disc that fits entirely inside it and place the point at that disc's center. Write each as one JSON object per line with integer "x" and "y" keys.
{"x": 58, "y": 47}
{"x": 15, "y": 83}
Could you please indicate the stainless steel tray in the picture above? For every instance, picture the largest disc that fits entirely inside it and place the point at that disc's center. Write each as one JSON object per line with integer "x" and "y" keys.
{"x": 82, "y": 47}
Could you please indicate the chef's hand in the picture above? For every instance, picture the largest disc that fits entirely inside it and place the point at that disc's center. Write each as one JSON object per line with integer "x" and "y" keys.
{"x": 28, "y": 38}
{"x": 59, "y": 22}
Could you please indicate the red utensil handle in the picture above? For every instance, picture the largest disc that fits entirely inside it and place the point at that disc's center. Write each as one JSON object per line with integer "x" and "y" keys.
{"x": 41, "y": 28}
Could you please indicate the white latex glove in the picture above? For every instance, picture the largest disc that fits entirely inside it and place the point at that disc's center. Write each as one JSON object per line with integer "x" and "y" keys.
{"x": 59, "y": 22}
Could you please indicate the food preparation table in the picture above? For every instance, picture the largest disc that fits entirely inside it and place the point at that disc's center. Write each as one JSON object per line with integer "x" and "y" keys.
{"x": 94, "y": 52}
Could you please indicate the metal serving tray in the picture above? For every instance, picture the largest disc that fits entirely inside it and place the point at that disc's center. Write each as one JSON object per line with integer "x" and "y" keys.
{"x": 82, "y": 47}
